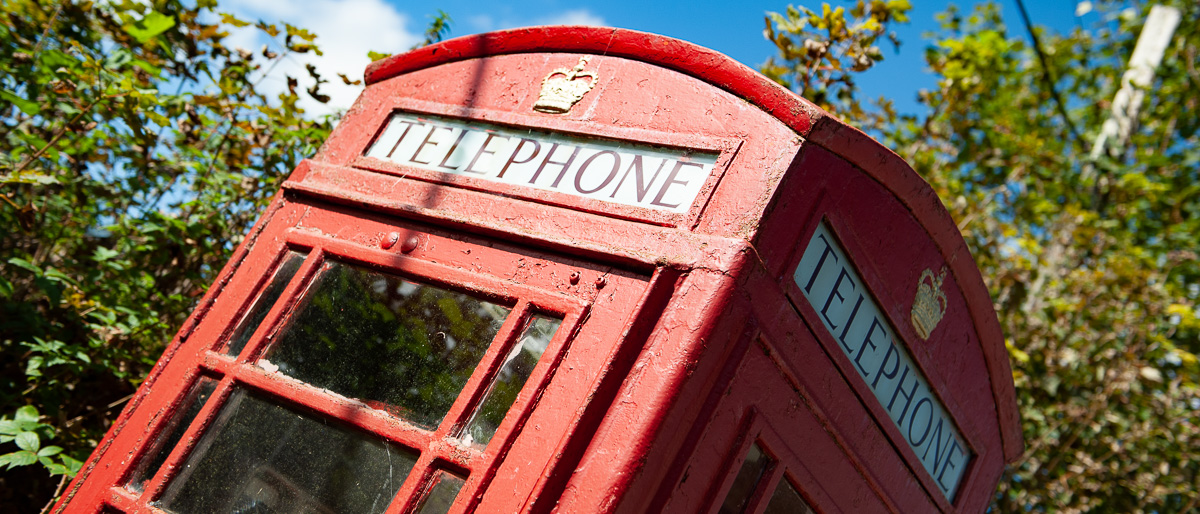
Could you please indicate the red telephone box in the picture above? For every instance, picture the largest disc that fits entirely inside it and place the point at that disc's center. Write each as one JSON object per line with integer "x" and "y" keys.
{"x": 579, "y": 270}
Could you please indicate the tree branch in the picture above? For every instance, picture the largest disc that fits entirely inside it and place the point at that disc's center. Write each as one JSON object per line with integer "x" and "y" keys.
{"x": 1048, "y": 75}
{"x": 57, "y": 134}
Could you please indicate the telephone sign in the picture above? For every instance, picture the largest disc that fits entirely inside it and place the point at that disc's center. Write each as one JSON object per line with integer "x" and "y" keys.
{"x": 853, "y": 317}
{"x": 611, "y": 171}
{"x": 579, "y": 269}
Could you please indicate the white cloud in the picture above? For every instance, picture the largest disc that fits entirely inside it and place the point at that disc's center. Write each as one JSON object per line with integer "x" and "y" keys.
{"x": 346, "y": 30}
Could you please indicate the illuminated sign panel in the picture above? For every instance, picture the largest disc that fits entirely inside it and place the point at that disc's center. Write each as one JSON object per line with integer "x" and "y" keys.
{"x": 651, "y": 177}
{"x": 851, "y": 314}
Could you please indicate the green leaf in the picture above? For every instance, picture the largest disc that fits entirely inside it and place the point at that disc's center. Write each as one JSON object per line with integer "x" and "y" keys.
{"x": 29, "y": 178}
{"x": 33, "y": 366}
{"x": 73, "y": 465}
{"x": 28, "y": 426}
{"x": 151, "y": 25}
{"x": 27, "y": 413}
{"x": 49, "y": 451}
{"x": 375, "y": 56}
{"x": 117, "y": 60}
{"x": 58, "y": 276}
{"x": 26, "y": 106}
{"x": 21, "y": 459}
{"x": 147, "y": 67}
{"x": 28, "y": 441}
{"x": 104, "y": 254}
{"x": 55, "y": 59}
{"x": 24, "y": 264}
{"x": 233, "y": 20}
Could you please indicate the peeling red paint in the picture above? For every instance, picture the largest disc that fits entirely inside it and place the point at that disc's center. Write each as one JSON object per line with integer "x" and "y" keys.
{"x": 687, "y": 340}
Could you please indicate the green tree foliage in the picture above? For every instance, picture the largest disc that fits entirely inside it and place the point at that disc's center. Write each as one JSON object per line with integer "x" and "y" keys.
{"x": 137, "y": 147}
{"x": 1092, "y": 266}
{"x": 820, "y": 52}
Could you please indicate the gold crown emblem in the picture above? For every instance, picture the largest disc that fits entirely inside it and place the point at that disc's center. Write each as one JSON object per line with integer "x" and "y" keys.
{"x": 930, "y": 303}
{"x": 563, "y": 87}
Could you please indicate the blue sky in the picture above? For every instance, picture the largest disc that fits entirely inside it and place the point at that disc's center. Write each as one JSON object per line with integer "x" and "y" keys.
{"x": 348, "y": 28}
{"x": 735, "y": 28}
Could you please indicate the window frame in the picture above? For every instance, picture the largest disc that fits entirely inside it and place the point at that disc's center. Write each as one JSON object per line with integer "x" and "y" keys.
{"x": 437, "y": 450}
{"x": 783, "y": 465}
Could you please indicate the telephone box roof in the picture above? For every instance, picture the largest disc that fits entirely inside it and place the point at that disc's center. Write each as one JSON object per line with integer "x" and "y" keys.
{"x": 812, "y": 123}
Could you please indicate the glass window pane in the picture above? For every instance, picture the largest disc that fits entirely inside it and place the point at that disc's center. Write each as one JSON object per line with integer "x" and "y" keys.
{"x": 405, "y": 347}
{"x": 170, "y": 434}
{"x": 511, "y": 378}
{"x": 787, "y": 500}
{"x": 261, "y": 457}
{"x": 746, "y": 482}
{"x": 441, "y": 495}
{"x": 287, "y": 269}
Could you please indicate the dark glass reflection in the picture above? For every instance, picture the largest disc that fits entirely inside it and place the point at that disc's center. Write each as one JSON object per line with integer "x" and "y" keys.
{"x": 262, "y": 305}
{"x": 753, "y": 468}
{"x": 517, "y": 367}
{"x": 170, "y": 435}
{"x": 787, "y": 500}
{"x": 441, "y": 496}
{"x": 259, "y": 457}
{"x": 397, "y": 345}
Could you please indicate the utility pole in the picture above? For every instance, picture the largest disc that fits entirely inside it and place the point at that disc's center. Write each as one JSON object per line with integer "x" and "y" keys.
{"x": 1147, "y": 55}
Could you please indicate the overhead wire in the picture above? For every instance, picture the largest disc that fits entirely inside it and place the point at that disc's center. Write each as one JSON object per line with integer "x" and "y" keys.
{"x": 1048, "y": 74}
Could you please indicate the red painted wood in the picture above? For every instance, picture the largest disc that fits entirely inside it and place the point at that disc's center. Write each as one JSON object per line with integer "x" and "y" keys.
{"x": 652, "y": 387}
{"x": 860, "y": 212}
{"x": 886, "y": 167}
{"x": 798, "y": 114}
{"x": 754, "y": 405}
{"x": 687, "y": 58}
{"x": 440, "y": 259}
{"x": 632, "y": 100}
{"x": 695, "y": 344}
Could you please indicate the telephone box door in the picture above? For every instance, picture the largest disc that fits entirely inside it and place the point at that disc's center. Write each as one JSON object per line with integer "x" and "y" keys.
{"x": 353, "y": 363}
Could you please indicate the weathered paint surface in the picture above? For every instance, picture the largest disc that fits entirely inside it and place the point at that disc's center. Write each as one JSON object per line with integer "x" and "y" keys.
{"x": 688, "y": 338}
